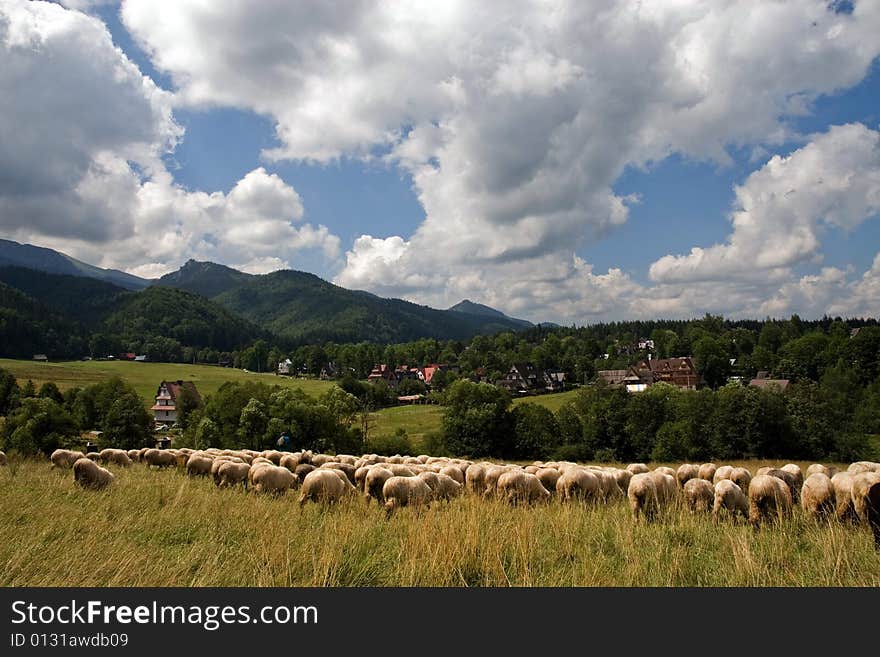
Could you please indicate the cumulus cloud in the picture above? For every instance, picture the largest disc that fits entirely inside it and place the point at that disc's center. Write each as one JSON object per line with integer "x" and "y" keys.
{"x": 513, "y": 119}
{"x": 781, "y": 209}
{"x": 83, "y": 134}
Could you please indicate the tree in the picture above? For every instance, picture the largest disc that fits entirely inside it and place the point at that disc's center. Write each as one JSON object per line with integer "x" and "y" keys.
{"x": 207, "y": 434}
{"x": 252, "y": 424}
{"x": 476, "y": 421}
{"x": 50, "y": 391}
{"x": 127, "y": 424}
{"x": 9, "y": 392}
{"x": 39, "y": 425}
{"x": 711, "y": 361}
{"x": 535, "y": 432}
{"x": 187, "y": 402}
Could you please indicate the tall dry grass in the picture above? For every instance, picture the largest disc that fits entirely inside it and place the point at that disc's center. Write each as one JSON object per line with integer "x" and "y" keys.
{"x": 161, "y": 528}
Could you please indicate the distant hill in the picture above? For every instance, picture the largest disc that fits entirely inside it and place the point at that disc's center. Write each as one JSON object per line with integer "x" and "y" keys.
{"x": 206, "y": 278}
{"x": 303, "y": 308}
{"x": 27, "y": 327}
{"x": 54, "y": 262}
{"x": 471, "y": 308}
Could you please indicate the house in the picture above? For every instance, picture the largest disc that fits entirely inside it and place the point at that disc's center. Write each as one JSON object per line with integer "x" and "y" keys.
{"x": 613, "y": 378}
{"x": 522, "y": 378}
{"x": 382, "y": 372}
{"x": 763, "y": 380}
{"x": 854, "y": 332}
{"x": 329, "y": 371}
{"x": 554, "y": 380}
{"x": 41, "y": 357}
{"x": 165, "y": 408}
{"x": 679, "y": 372}
{"x": 645, "y": 343}
{"x": 284, "y": 367}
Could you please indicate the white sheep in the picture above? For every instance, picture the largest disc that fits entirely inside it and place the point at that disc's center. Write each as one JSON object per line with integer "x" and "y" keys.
{"x": 769, "y": 496}
{"x": 642, "y": 494}
{"x": 731, "y": 498}
{"x": 198, "y": 465}
{"x": 842, "y": 482}
{"x": 866, "y": 501}
{"x": 405, "y": 491}
{"x": 686, "y": 472}
{"x": 699, "y": 495}
{"x": 578, "y": 484}
{"x": 89, "y": 474}
{"x": 707, "y": 471}
{"x": 818, "y": 499}
{"x": 322, "y": 486}
{"x": 273, "y": 479}
{"x": 65, "y": 458}
{"x": 722, "y": 472}
{"x": 231, "y": 473}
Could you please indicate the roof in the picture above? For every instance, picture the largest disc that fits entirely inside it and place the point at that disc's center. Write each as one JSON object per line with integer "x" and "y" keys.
{"x": 766, "y": 383}
{"x": 174, "y": 388}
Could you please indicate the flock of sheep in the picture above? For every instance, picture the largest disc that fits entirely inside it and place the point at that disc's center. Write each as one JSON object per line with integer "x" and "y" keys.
{"x": 415, "y": 481}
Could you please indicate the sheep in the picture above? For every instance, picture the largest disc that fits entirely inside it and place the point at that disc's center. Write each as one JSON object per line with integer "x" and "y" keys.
{"x": 289, "y": 461}
{"x": 257, "y": 466}
{"x": 666, "y": 470}
{"x": 642, "y": 494}
{"x": 638, "y": 468}
{"x": 198, "y": 465}
{"x": 448, "y": 487}
{"x": 3, "y": 460}
{"x": 375, "y": 480}
{"x": 794, "y": 484}
{"x": 768, "y": 496}
{"x": 866, "y": 501}
{"x": 342, "y": 476}
{"x": 707, "y": 471}
{"x": 741, "y": 477}
{"x": 730, "y": 497}
{"x": 134, "y": 455}
{"x": 548, "y": 477}
{"x": 230, "y": 473}
{"x": 65, "y": 458}
{"x": 723, "y": 472}
{"x": 490, "y": 480}
{"x": 360, "y": 477}
{"x": 453, "y": 471}
{"x": 90, "y": 475}
{"x": 322, "y": 485}
{"x": 842, "y": 482}
{"x": 518, "y": 486}
{"x": 273, "y": 479}
{"x": 405, "y": 491}
{"x": 347, "y": 469}
{"x": 667, "y": 489}
{"x": 400, "y": 470}
{"x": 686, "y": 472}
{"x": 94, "y": 456}
{"x": 431, "y": 479}
{"x": 302, "y": 471}
{"x": 863, "y": 466}
{"x": 622, "y": 477}
{"x": 817, "y": 496}
{"x": 475, "y": 478}
{"x": 823, "y": 469}
{"x": 699, "y": 495}
{"x": 320, "y": 459}
{"x": 161, "y": 458}
{"x": 348, "y": 459}
{"x": 796, "y": 471}
{"x": 578, "y": 484}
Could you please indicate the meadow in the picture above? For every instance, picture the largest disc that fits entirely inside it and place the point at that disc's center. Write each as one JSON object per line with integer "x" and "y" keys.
{"x": 417, "y": 420}
{"x": 145, "y": 377}
{"x": 162, "y": 528}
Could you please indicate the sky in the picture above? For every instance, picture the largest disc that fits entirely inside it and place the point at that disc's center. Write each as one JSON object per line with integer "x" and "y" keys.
{"x": 567, "y": 161}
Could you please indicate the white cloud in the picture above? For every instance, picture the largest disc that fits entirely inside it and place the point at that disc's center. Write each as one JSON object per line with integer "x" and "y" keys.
{"x": 514, "y": 119}
{"x": 83, "y": 132}
{"x": 781, "y": 209}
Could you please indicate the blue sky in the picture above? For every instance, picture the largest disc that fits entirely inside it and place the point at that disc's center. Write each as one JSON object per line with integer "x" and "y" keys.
{"x": 552, "y": 180}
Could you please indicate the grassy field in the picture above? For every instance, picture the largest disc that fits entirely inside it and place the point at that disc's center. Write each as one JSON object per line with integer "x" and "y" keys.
{"x": 145, "y": 377}
{"x": 160, "y": 528}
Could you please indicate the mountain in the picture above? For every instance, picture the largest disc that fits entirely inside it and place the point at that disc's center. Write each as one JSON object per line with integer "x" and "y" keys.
{"x": 303, "y": 308}
{"x": 54, "y": 262}
{"x": 471, "y": 308}
{"x": 206, "y": 278}
{"x": 84, "y": 300}
{"x": 57, "y": 304}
